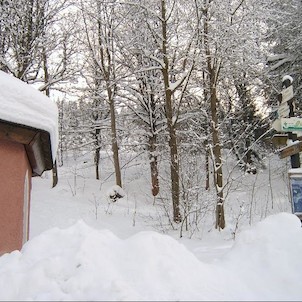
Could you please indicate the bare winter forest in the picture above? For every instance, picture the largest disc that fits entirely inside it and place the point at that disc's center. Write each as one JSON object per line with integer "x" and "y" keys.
{"x": 189, "y": 86}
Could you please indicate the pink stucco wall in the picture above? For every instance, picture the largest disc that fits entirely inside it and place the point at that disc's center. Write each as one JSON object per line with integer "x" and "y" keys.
{"x": 14, "y": 167}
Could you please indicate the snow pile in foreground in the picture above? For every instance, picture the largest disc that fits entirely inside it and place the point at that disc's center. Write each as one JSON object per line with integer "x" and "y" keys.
{"x": 82, "y": 263}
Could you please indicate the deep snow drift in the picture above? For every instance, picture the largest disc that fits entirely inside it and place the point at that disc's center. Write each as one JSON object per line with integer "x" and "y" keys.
{"x": 83, "y": 263}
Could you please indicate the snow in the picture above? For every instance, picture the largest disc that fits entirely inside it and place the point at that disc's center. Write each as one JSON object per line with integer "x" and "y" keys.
{"x": 115, "y": 192}
{"x": 287, "y": 77}
{"x": 295, "y": 171}
{"x": 83, "y": 263}
{"x": 24, "y": 105}
{"x": 84, "y": 247}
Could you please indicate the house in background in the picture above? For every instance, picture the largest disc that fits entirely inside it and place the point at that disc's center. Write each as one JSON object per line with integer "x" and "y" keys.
{"x": 28, "y": 144}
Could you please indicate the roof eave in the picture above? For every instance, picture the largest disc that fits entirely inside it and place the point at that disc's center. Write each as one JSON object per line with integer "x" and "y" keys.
{"x": 37, "y": 144}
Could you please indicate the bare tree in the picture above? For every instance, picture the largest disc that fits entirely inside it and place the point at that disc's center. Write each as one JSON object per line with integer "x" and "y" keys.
{"x": 142, "y": 90}
{"x": 173, "y": 100}
{"x": 37, "y": 44}
{"x": 31, "y": 32}
{"x": 146, "y": 104}
{"x": 100, "y": 21}
{"x": 170, "y": 51}
{"x": 212, "y": 65}
{"x": 230, "y": 35}
{"x": 283, "y": 19}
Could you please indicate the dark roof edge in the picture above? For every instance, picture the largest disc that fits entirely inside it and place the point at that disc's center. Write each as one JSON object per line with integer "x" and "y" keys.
{"x": 36, "y": 141}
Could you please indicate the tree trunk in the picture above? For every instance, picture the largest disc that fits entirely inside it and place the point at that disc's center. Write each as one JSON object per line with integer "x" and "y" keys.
{"x": 97, "y": 153}
{"x": 54, "y": 174}
{"x": 220, "y": 220}
{"x": 115, "y": 149}
{"x": 213, "y": 70}
{"x": 174, "y": 165}
{"x": 153, "y": 165}
{"x": 207, "y": 187}
{"x": 174, "y": 173}
{"x": 106, "y": 62}
{"x": 47, "y": 92}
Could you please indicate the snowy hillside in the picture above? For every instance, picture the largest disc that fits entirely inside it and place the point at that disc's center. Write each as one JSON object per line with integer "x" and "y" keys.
{"x": 84, "y": 247}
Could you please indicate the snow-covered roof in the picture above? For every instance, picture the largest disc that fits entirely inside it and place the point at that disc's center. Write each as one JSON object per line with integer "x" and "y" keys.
{"x": 22, "y": 104}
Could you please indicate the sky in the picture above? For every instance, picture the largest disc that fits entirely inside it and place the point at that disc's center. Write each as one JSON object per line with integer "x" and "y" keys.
{"x": 83, "y": 246}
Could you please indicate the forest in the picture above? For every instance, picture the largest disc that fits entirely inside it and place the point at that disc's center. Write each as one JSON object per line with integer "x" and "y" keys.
{"x": 187, "y": 85}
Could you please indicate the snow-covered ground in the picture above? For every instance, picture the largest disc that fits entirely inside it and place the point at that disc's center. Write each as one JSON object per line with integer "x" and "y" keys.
{"x": 84, "y": 247}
